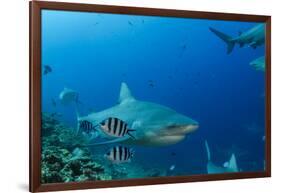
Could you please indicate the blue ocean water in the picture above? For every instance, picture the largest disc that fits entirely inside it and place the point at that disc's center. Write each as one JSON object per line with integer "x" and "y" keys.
{"x": 175, "y": 62}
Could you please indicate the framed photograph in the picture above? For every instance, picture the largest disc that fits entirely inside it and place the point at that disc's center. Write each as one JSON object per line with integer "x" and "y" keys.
{"x": 123, "y": 96}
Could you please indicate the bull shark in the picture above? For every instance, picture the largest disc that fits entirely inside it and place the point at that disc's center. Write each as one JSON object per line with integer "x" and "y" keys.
{"x": 254, "y": 37}
{"x": 259, "y": 63}
{"x": 154, "y": 124}
{"x": 229, "y": 166}
{"x": 68, "y": 96}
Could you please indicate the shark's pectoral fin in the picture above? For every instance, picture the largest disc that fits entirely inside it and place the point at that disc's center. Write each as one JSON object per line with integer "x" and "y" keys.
{"x": 118, "y": 140}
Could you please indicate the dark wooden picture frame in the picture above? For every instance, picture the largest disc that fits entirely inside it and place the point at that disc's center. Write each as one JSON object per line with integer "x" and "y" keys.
{"x": 35, "y": 94}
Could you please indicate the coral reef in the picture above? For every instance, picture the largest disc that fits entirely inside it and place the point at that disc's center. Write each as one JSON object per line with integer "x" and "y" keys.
{"x": 64, "y": 159}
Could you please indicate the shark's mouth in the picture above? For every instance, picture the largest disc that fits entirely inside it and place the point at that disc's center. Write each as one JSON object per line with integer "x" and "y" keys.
{"x": 169, "y": 135}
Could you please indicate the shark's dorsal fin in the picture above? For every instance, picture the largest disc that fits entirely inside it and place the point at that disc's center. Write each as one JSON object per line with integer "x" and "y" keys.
{"x": 232, "y": 163}
{"x": 125, "y": 94}
{"x": 208, "y": 150}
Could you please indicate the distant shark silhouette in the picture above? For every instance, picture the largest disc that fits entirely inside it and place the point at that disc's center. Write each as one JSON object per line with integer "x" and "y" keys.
{"x": 254, "y": 37}
{"x": 230, "y": 166}
{"x": 155, "y": 125}
{"x": 68, "y": 96}
{"x": 259, "y": 63}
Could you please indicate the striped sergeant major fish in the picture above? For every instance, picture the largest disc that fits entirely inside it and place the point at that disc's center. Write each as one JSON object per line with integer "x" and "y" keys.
{"x": 119, "y": 154}
{"x": 86, "y": 126}
{"x": 116, "y": 127}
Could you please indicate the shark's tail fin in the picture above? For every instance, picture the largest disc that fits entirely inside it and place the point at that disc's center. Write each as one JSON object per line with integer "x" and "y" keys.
{"x": 208, "y": 150}
{"x": 232, "y": 164}
{"x": 227, "y": 39}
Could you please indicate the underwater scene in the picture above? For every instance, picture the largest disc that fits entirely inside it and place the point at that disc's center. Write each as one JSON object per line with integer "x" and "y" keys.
{"x": 132, "y": 96}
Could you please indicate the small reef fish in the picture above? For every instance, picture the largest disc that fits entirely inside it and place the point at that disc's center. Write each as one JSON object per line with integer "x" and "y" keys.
{"x": 254, "y": 37}
{"x": 258, "y": 64}
{"x": 68, "y": 96}
{"x": 86, "y": 126}
{"x": 183, "y": 49}
{"x": 130, "y": 23}
{"x": 116, "y": 127}
{"x": 171, "y": 170}
{"x": 119, "y": 154}
{"x": 172, "y": 167}
{"x": 47, "y": 69}
{"x": 151, "y": 83}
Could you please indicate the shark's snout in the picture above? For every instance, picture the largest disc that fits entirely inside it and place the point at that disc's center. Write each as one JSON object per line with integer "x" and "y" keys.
{"x": 190, "y": 128}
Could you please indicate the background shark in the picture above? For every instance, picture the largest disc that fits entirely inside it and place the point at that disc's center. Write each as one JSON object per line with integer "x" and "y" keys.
{"x": 259, "y": 63}
{"x": 155, "y": 125}
{"x": 229, "y": 166}
{"x": 254, "y": 37}
{"x": 68, "y": 96}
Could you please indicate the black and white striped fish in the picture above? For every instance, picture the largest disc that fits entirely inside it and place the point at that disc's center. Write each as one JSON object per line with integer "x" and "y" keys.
{"x": 119, "y": 154}
{"x": 116, "y": 127}
{"x": 86, "y": 126}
